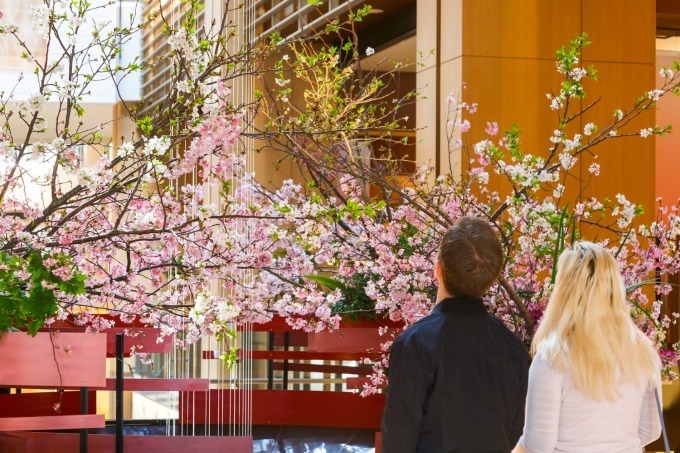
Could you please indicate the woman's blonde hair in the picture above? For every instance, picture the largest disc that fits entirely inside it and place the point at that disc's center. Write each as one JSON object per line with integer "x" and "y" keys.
{"x": 587, "y": 329}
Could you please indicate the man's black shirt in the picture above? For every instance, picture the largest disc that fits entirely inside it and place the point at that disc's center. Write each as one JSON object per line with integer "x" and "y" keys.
{"x": 457, "y": 382}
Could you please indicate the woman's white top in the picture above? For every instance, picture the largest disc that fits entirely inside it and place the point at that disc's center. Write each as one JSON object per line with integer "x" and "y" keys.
{"x": 560, "y": 418}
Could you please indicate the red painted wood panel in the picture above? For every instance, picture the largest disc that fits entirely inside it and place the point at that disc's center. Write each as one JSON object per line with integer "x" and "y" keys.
{"x": 142, "y": 339}
{"x": 65, "y": 359}
{"x": 303, "y": 355}
{"x": 102, "y": 443}
{"x": 52, "y": 422}
{"x": 33, "y": 404}
{"x": 295, "y": 338}
{"x": 286, "y": 407}
{"x": 357, "y": 340}
{"x": 159, "y": 385}
{"x": 140, "y": 335}
{"x": 321, "y": 368}
{"x": 310, "y": 355}
{"x": 357, "y": 383}
{"x": 278, "y": 324}
{"x": 70, "y": 323}
{"x": 373, "y": 323}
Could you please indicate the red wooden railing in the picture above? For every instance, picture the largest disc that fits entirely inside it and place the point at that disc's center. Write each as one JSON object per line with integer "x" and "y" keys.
{"x": 285, "y": 407}
{"x": 78, "y": 357}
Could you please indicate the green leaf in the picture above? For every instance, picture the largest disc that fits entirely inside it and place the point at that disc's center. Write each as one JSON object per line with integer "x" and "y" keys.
{"x": 623, "y": 242}
{"x": 559, "y": 244}
{"x": 145, "y": 124}
{"x": 634, "y": 286}
{"x": 230, "y": 358}
{"x": 328, "y": 282}
{"x": 27, "y": 303}
{"x": 283, "y": 208}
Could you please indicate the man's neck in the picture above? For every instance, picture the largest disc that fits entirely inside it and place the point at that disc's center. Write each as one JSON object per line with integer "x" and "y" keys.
{"x": 442, "y": 294}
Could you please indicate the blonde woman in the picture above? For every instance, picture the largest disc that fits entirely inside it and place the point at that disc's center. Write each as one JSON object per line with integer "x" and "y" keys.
{"x": 592, "y": 380}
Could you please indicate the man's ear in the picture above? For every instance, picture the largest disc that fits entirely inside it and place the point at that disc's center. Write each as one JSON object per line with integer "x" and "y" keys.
{"x": 438, "y": 269}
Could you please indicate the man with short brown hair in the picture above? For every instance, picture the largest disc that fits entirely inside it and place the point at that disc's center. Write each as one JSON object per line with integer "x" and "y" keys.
{"x": 457, "y": 379}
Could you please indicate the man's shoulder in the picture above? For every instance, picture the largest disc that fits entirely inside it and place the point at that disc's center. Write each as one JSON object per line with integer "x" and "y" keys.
{"x": 424, "y": 327}
{"x": 500, "y": 325}
{"x": 503, "y": 330}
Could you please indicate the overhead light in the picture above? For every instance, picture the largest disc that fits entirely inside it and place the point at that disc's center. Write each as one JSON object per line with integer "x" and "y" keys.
{"x": 376, "y": 11}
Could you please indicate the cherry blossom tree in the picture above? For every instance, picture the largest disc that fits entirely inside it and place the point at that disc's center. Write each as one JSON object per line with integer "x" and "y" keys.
{"x": 173, "y": 228}
{"x": 117, "y": 233}
{"x": 137, "y": 229}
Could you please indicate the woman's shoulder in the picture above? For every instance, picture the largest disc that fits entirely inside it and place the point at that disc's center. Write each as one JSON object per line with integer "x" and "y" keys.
{"x": 544, "y": 365}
